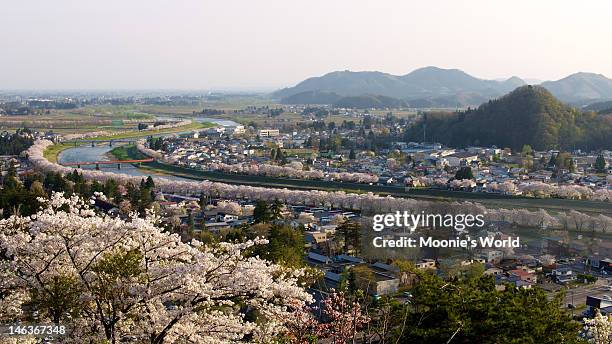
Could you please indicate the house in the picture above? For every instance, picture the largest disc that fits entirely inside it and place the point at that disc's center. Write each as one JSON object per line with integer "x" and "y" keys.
{"x": 426, "y": 264}
{"x": 493, "y": 271}
{"x": 345, "y": 258}
{"x": 493, "y": 256}
{"x": 406, "y": 278}
{"x": 237, "y": 130}
{"x": 461, "y": 159}
{"x": 563, "y": 275}
{"x": 385, "y": 284}
{"x": 332, "y": 280}
{"x": 216, "y": 226}
{"x": 523, "y": 275}
{"x": 268, "y": 132}
{"x": 468, "y": 262}
{"x": 318, "y": 259}
{"x": 315, "y": 237}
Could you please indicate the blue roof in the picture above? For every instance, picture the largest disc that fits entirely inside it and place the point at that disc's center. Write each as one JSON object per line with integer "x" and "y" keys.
{"x": 351, "y": 259}
{"x": 332, "y": 276}
{"x": 385, "y": 267}
{"x": 318, "y": 257}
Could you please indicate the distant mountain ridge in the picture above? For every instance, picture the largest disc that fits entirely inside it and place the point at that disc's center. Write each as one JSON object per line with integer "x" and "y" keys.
{"x": 436, "y": 87}
{"x": 425, "y": 85}
{"x": 581, "y": 87}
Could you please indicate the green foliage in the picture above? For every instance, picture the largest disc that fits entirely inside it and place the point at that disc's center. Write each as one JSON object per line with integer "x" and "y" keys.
{"x": 529, "y": 115}
{"x": 261, "y": 212}
{"x": 285, "y": 246}
{"x": 600, "y": 164}
{"x": 17, "y": 197}
{"x": 464, "y": 173}
{"x": 349, "y": 232}
{"x": 157, "y": 143}
{"x": 472, "y": 310}
{"x": 120, "y": 264}
{"x": 58, "y": 297}
{"x": 264, "y": 213}
{"x": 587, "y": 278}
{"x": 14, "y": 144}
{"x": 278, "y": 155}
{"x": 362, "y": 278}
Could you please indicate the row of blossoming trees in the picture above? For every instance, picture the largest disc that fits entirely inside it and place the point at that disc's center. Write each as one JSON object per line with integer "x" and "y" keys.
{"x": 291, "y": 170}
{"x": 368, "y": 203}
{"x": 535, "y": 189}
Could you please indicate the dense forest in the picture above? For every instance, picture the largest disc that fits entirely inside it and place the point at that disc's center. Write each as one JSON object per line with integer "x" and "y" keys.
{"x": 528, "y": 115}
{"x": 13, "y": 144}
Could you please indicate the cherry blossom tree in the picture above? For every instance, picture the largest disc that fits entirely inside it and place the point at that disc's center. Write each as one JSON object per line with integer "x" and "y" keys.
{"x": 599, "y": 329}
{"x": 228, "y": 207}
{"x": 343, "y": 318}
{"x": 118, "y": 280}
{"x": 306, "y": 218}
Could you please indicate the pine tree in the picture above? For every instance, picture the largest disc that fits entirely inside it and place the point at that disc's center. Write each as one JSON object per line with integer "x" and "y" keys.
{"x": 352, "y": 154}
{"x": 600, "y": 164}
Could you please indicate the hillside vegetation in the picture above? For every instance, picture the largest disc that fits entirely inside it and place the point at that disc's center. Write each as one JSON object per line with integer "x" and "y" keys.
{"x": 528, "y": 115}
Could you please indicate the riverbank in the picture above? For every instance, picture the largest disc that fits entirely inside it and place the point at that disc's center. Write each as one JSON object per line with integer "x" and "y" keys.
{"x": 52, "y": 152}
{"x": 487, "y": 199}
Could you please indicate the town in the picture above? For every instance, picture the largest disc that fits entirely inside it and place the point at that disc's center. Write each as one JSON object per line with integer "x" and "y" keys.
{"x": 306, "y": 172}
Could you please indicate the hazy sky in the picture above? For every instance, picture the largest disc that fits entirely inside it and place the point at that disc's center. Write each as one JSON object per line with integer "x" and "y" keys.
{"x": 252, "y": 44}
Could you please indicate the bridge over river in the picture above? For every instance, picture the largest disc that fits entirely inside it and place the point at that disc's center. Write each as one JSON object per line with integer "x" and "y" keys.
{"x": 78, "y": 164}
{"x": 94, "y": 142}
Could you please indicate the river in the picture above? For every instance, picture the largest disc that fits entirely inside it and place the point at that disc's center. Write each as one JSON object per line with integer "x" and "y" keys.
{"x": 87, "y": 153}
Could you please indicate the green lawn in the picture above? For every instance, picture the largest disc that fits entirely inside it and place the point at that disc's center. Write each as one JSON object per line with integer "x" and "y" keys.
{"x": 127, "y": 152}
{"x": 52, "y": 152}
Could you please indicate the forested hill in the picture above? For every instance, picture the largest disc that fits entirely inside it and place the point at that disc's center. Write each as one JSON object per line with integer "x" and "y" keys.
{"x": 528, "y": 115}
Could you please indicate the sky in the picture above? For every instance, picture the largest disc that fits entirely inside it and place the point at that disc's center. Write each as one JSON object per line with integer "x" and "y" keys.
{"x": 269, "y": 44}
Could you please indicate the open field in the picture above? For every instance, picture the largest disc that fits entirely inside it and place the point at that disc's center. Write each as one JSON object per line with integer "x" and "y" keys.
{"x": 126, "y": 117}
{"x": 79, "y": 120}
{"x": 146, "y": 133}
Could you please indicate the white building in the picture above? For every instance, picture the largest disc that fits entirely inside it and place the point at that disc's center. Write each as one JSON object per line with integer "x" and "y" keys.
{"x": 268, "y": 132}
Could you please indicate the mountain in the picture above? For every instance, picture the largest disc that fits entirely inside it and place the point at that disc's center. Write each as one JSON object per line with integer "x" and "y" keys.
{"x": 528, "y": 115}
{"x": 369, "y": 102}
{"x": 358, "y": 102}
{"x": 434, "y": 81}
{"x": 312, "y": 97}
{"x": 433, "y": 85}
{"x": 600, "y": 107}
{"x": 581, "y": 87}
{"x": 347, "y": 83}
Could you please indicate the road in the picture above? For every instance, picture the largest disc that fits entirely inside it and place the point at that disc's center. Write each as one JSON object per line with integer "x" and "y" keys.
{"x": 487, "y": 199}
